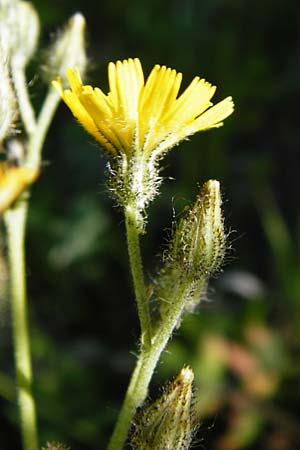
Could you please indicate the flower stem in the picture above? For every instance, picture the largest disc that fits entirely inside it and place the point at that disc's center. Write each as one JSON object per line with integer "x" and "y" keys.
{"x": 25, "y": 106}
{"x": 138, "y": 387}
{"x": 15, "y": 221}
{"x": 45, "y": 117}
{"x": 136, "y": 265}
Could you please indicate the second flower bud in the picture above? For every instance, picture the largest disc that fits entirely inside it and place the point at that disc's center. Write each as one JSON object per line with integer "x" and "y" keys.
{"x": 196, "y": 251}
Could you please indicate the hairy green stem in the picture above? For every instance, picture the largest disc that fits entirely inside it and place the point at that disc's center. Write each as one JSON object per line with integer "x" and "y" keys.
{"x": 25, "y": 106}
{"x": 138, "y": 387}
{"x": 45, "y": 117}
{"x": 136, "y": 265}
{"x": 15, "y": 220}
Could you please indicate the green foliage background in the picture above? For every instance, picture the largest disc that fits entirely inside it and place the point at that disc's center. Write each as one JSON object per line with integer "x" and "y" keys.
{"x": 243, "y": 342}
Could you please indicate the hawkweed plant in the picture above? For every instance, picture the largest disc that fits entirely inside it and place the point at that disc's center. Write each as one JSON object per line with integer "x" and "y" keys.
{"x": 136, "y": 124}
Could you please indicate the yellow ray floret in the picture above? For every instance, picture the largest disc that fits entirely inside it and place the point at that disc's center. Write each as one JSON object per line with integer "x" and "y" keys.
{"x": 143, "y": 116}
{"x": 13, "y": 180}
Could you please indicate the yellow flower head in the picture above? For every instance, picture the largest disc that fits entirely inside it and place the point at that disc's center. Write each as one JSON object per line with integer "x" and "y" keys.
{"x": 138, "y": 121}
{"x": 143, "y": 116}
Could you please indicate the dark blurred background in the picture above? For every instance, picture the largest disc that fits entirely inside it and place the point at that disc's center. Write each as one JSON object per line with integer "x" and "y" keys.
{"x": 243, "y": 343}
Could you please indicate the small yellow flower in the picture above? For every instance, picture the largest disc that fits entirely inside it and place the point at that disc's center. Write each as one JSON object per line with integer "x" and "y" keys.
{"x": 138, "y": 121}
{"x": 13, "y": 180}
{"x": 137, "y": 115}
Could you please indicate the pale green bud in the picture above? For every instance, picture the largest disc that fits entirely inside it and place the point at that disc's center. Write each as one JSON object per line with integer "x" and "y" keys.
{"x": 196, "y": 251}
{"x": 8, "y": 18}
{"x": 199, "y": 242}
{"x": 168, "y": 423}
{"x": 8, "y": 105}
{"x": 67, "y": 51}
{"x": 26, "y": 33}
{"x": 55, "y": 446}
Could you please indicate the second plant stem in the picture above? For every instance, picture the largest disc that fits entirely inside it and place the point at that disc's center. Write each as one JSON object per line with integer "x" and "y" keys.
{"x": 15, "y": 220}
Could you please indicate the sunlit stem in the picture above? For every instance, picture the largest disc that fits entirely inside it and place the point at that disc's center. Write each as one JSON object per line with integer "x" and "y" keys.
{"x": 15, "y": 220}
{"x": 36, "y": 140}
{"x": 25, "y": 106}
{"x": 138, "y": 387}
{"x": 136, "y": 265}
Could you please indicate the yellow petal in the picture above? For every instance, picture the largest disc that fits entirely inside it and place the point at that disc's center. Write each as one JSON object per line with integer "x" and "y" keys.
{"x": 89, "y": 100}
{"x": 86, "y": 120}
{"x": 213, "y": 117}
{"x": 125, "y": 81}
{"x": 58, "y": 86}
{"x": 12, "y": 183}
{"x": 74, "y": 80}
{"x": 191, "y": 103}
{"x": 139, "y": 116}
{"x": 159, "y": 93}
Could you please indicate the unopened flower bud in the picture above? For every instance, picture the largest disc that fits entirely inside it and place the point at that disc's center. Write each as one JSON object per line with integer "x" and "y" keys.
{"x": 55, "y": 446}
{"x": 26, "y": 33}
{"x": 8, "y": 105}
{"x": 200, "y": 239}
{"x": 8, "y": 20}
{"x": 68, "y": 50}
{"x": 196, "y": 251}
{"x": 168, "y": 422}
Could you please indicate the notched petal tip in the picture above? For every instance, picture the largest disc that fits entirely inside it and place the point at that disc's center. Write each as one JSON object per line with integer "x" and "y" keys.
{"x": 214, "y": 116}
{"x": 57, "y": 84}
{"x": 231, "y": 104}
{"x": 87, "y": 89}
{"x": 74, "y": 79}
{"x": 225, "y": 107}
